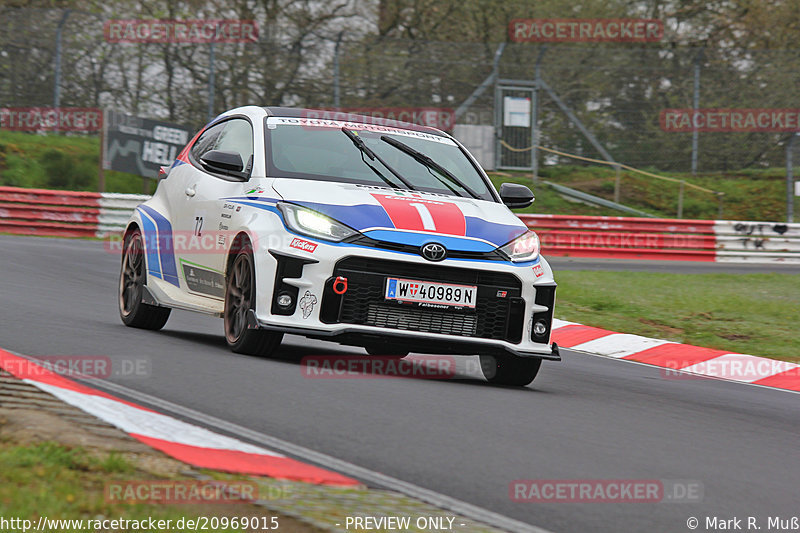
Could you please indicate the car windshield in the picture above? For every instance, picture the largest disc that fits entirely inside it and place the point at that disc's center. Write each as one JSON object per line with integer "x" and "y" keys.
{"x": 320, "y": 150}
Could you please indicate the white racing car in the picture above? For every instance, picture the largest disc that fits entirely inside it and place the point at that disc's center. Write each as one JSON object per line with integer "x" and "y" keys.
{"x": 382, "y": 235}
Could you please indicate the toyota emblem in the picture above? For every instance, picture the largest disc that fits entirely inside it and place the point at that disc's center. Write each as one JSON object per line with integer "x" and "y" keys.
{"x": 433, "y": 251}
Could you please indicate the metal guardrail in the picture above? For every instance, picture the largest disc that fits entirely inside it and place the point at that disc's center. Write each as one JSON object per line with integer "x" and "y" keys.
{"x": 88, "y": 214}
{"x": 666, "y": 239}
{"x": 64, "y": 213}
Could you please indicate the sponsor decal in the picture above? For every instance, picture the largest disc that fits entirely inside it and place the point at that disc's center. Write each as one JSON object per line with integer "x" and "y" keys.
{"x": 255, "y": 190}
{"x": 180, "y": 31}
{"x": 422, "y": 214}
{"x": 202, "y": 280}
{"x": 314, "y": 123}
{"x": 730, "y": 120}
{"x": 538, "y": 271}
{"x": 436, "y": 117}
{"x": 307, "y": 303}
{"x": 585, "y": 30}
{"x": 82, "y": 119}
{"x": 302, "y": 244}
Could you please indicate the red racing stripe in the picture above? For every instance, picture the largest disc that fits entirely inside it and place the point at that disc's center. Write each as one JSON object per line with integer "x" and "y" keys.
{"x": 675, "y": 356}
{"x": 22, "y": 368}
{"x": 575, "y": 334}
{"x": 789, "y": 380}
{"x": 247, "y": 463}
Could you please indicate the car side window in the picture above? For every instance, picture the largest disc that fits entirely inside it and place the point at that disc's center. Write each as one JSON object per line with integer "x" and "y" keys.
{"x": 237, "y": 136}
{"x": 206, "y": 141}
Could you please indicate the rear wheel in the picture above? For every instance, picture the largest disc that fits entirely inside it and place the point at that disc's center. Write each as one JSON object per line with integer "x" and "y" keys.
{"x": 510, "y": 369}
{"x": 240, "y": 297}
{"x": 132, "y": 278}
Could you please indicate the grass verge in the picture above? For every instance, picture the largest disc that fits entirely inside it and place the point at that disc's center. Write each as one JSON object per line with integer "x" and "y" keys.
{"x": 58, "y": 482}
{"x": 745, "y": 313}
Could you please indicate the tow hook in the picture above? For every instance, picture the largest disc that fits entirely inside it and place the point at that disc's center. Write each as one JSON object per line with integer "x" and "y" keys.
{"x": 340, "y": 285}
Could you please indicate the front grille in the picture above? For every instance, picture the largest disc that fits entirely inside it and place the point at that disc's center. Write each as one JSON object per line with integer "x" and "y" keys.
{"x": 363, "y": 240}
{"x": 494, "y": 317}
{"x": 421, "y": 319}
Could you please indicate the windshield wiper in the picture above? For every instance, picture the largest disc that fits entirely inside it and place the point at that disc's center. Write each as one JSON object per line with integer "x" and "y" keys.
{"x": 366, "y": 151}
{"x": 430, "y": 163}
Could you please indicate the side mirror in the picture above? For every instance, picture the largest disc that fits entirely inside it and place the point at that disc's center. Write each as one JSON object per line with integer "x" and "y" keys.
{"x": 223, "y": 161}
{"x": 516, "y": 196}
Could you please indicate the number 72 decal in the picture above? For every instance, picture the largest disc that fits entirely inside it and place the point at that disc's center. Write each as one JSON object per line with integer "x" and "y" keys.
{"x": 418, "y": 214}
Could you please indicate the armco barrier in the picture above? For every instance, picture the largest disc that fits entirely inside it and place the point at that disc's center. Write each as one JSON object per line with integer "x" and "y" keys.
{"x": 88, "y": 214}
{"x": 666, "y": 239}
{"x": 64, "y": 213}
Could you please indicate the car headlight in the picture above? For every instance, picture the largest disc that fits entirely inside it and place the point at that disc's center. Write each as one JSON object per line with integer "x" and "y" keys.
{"x": 523, "y": 248}
{"x": 313, "y": 224}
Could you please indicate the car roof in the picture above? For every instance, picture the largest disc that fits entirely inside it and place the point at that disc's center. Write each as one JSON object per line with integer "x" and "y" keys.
{"x": 334, "y": 114}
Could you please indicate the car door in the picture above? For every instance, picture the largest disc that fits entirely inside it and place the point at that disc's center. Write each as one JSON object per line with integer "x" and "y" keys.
{"x": 206, "y": 219}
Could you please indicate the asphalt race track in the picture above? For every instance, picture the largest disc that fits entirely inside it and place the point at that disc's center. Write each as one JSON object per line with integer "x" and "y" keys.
{"x": 584, "y": 418}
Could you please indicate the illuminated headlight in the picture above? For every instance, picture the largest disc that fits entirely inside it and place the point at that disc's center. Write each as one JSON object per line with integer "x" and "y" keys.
{"x": 314, "y": 224}
{"x": 523, "y": 248}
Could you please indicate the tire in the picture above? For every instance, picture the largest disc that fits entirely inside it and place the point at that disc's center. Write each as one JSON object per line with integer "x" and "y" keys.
{"x": 378, "y": 351}
{"x": 240, "y": 298}
{"x": 132, "y": 279}
{"x": 510, "y": 369}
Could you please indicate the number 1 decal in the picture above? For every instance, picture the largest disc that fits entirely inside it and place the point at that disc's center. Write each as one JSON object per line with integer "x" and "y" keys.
{"x": 427, "y": 220}
{"x": 419, "y": 214}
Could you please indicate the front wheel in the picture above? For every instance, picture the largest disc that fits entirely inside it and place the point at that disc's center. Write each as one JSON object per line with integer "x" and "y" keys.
{"x": 132, "y": 277}
{"x": 510, "y": 369}
{"x": 240, "y": 297}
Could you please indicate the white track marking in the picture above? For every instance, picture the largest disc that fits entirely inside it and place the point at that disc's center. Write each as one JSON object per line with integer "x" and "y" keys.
{"x": 618, "y": 345}
{"x": 148, "y": 424}
{"x": 465, "y": 509}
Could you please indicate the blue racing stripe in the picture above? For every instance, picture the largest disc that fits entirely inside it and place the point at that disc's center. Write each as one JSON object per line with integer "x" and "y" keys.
{"x": 498, "y": 234}
{"x": 358, "y": 217}
{"x": 418, "y": 239}
{"x": 165, "y": 250}
{"x": 150, "y": 244}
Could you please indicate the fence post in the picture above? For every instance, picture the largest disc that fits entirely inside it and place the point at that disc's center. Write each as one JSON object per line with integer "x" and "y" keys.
{"x": 696, "y": 105}
{"x": 617, "y": 184}
{"x": 680, "y": 200}
{"x": 57, "y": 81}
{"x": 210, "y": 81}
{"x": 336, "y": 83}
{"x": 535, "y": 138}
{"x": 789, "y": 180}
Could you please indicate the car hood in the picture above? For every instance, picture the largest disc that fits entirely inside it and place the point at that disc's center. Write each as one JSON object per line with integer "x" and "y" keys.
{"x": 404, "y": 217}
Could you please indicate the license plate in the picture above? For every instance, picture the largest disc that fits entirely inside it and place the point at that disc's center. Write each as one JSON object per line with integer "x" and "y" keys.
{"x": 431, "y": 294}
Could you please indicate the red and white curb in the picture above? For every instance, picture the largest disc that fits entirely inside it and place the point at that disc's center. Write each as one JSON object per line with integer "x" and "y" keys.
{"x": 678, "y": 359}
{"x": 186, "y": 442}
